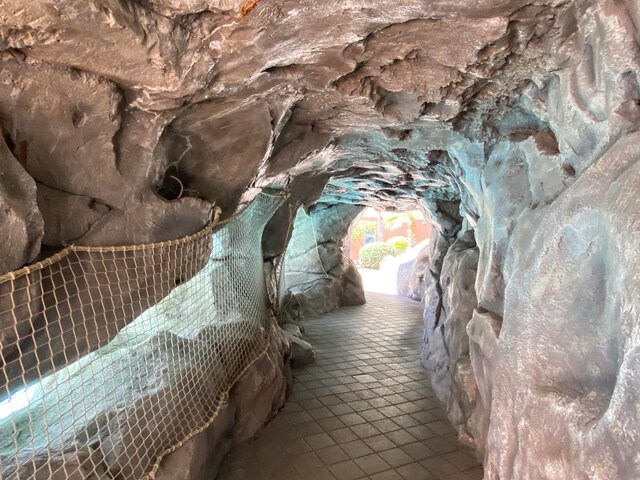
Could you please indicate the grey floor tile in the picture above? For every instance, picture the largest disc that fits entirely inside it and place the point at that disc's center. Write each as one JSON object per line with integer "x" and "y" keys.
{"x": 346, "y": 470}
{"x": 364, "y": 410}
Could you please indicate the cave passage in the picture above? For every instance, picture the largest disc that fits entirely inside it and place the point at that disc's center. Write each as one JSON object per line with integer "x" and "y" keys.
{"x": 177, "y": 181}
{"x": 364, "y": 410}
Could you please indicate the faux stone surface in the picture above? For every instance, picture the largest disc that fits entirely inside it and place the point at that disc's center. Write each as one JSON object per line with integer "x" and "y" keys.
{"x": 20, "y": 220}
{"x": 512, "y": 120}
{"x": 412, "y": 270}
{"x": 302, "y": 353}
{"x": 364, "y": 410}
{"x": 254, "y": 399}
{"x": 318, "y": 274}
{"x": 446, "y": 350}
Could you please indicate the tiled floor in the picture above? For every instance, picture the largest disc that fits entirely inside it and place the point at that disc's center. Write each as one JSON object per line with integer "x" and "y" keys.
{"x": 365, "y": 409}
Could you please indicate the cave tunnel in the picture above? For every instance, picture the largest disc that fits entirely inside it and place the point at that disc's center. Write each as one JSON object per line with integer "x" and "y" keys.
{"x": 177, "y": 181}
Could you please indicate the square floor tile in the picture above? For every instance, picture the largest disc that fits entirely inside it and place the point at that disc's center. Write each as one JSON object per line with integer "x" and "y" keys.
{"x": 396, "y": 457}
{"x": 439, "y": 467}
{"x": 371, "y": 464}
{"x": 343, "y": 435}
{"x": 346, "y": 470}
{"x": 298, "y": 417}
{"x": 371, "y": 415}
{"x": 386, "y": 425}
{"x": 319, "y": 413}
{"x": 379, "y": 443}
{"x": 365, "y": 430}
{"x": 462, "y": 460}
{"x": 295, "y": 446}
{"x": 414, "y": 471}
{"x": 418, "y": 451}
{"x": 319, "y": 440}
{"x": 341, "y": 409}
{"x": 331, "y": 423}
{"x": 388, "y": 475}
{"x": 331, "y": 455}
{"x": 306, "y": 461}
{"x": 441, "y": 445}
{"x": 309, "y": 428}
{"x": 364, "y": 409}
{"x": 400, "y": 437}
{"x": 351, "y": 419}
{"x": 421, "y": 432}
{"x": 356, "y": 449}
{"x": 322, "y": 473}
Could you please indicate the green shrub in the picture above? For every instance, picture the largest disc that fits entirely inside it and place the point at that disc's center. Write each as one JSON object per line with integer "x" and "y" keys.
{"x": 361, "y": 228}
{"x": 372, "y": 254}
{"x": 399, "y": 244}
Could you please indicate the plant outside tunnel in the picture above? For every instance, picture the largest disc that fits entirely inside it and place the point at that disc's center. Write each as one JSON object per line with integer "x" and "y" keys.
{"x": 372, "y": 254}
{"x": 512, "y": 125}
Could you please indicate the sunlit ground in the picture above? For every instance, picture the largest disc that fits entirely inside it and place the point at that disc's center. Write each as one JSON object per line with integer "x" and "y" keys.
{"x": 379, "y": 281}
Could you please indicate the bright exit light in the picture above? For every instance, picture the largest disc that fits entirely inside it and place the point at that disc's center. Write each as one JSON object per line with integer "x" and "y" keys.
{"x": 16, "y": 402}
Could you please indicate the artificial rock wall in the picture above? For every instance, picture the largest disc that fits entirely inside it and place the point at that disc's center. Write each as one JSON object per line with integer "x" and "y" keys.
{"x": 530, "y": 315}
{"x": 319, "y": 277}
{"x": 515, "y": 124}
{"x": 254, "y": 400}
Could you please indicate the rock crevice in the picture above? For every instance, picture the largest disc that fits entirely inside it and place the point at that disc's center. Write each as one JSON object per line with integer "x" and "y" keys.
{"x": 512, "y": 125}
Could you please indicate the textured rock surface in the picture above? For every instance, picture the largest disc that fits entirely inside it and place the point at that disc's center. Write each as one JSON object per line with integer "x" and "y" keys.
{"x": 450, "y": 302}
{"x": 514, "y": 121}
{"x": 196, "y": 459}
{"x": 319, "y": 276}
{"x": 20, "y": 220}
{"x": 254, "y": 400}
{"x": 302, "y": 352}
{"x": 410, "y": 281}
{"x": 292, "y": 329}
{"x": 587, "y": 381}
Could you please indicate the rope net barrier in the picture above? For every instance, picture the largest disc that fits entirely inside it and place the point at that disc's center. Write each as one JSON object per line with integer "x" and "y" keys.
{"x": 112, "y": 357}
{"x": 303, "y": 264}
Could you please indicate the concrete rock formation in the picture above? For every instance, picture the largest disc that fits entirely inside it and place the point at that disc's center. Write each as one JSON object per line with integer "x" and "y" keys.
{"x": 318, "y": 275}
{"x": 513, "y": 124}
{"x": 412, "y": 270}
{"x": 254, "y": 400}
{"x": 20, "y": 218}
{"x": 302, "y": 352}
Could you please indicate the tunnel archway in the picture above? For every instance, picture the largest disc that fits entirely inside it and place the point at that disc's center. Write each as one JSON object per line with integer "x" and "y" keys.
{"x": 514, "y": 125}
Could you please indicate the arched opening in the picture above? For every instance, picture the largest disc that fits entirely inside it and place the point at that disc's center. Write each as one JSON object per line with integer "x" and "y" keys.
{"x": 179, "y": 181}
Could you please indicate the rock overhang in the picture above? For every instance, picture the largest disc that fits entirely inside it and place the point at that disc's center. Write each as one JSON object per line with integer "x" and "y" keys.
{"x": 132, "y": 118}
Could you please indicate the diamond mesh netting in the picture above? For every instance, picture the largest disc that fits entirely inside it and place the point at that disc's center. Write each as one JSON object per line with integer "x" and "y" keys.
{"x": 303, "y": 263}
{"x": 112, "y": 357}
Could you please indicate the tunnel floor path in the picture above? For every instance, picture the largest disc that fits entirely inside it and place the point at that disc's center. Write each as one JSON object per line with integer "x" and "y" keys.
{"x": 364, "y": 410}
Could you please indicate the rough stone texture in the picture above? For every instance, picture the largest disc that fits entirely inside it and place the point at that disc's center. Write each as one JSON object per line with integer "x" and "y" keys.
{"x": 587, "y": 381}
{"x": 292, "y": 329}
{"x": 544, "y": 391}
{"x": 319, "y": 276}
{"x": 412, "y": 271}
{"x": 20, "y": 220}
{"x": 253, "y": 401}
{"x": 514, "y": 120}
{"x": 302, "y": 352}
{"x": 262, "y": 390}
{"x": 196, "y": 459}
{"x": 451, "y": 300}
{"x": 66, "y": 127}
